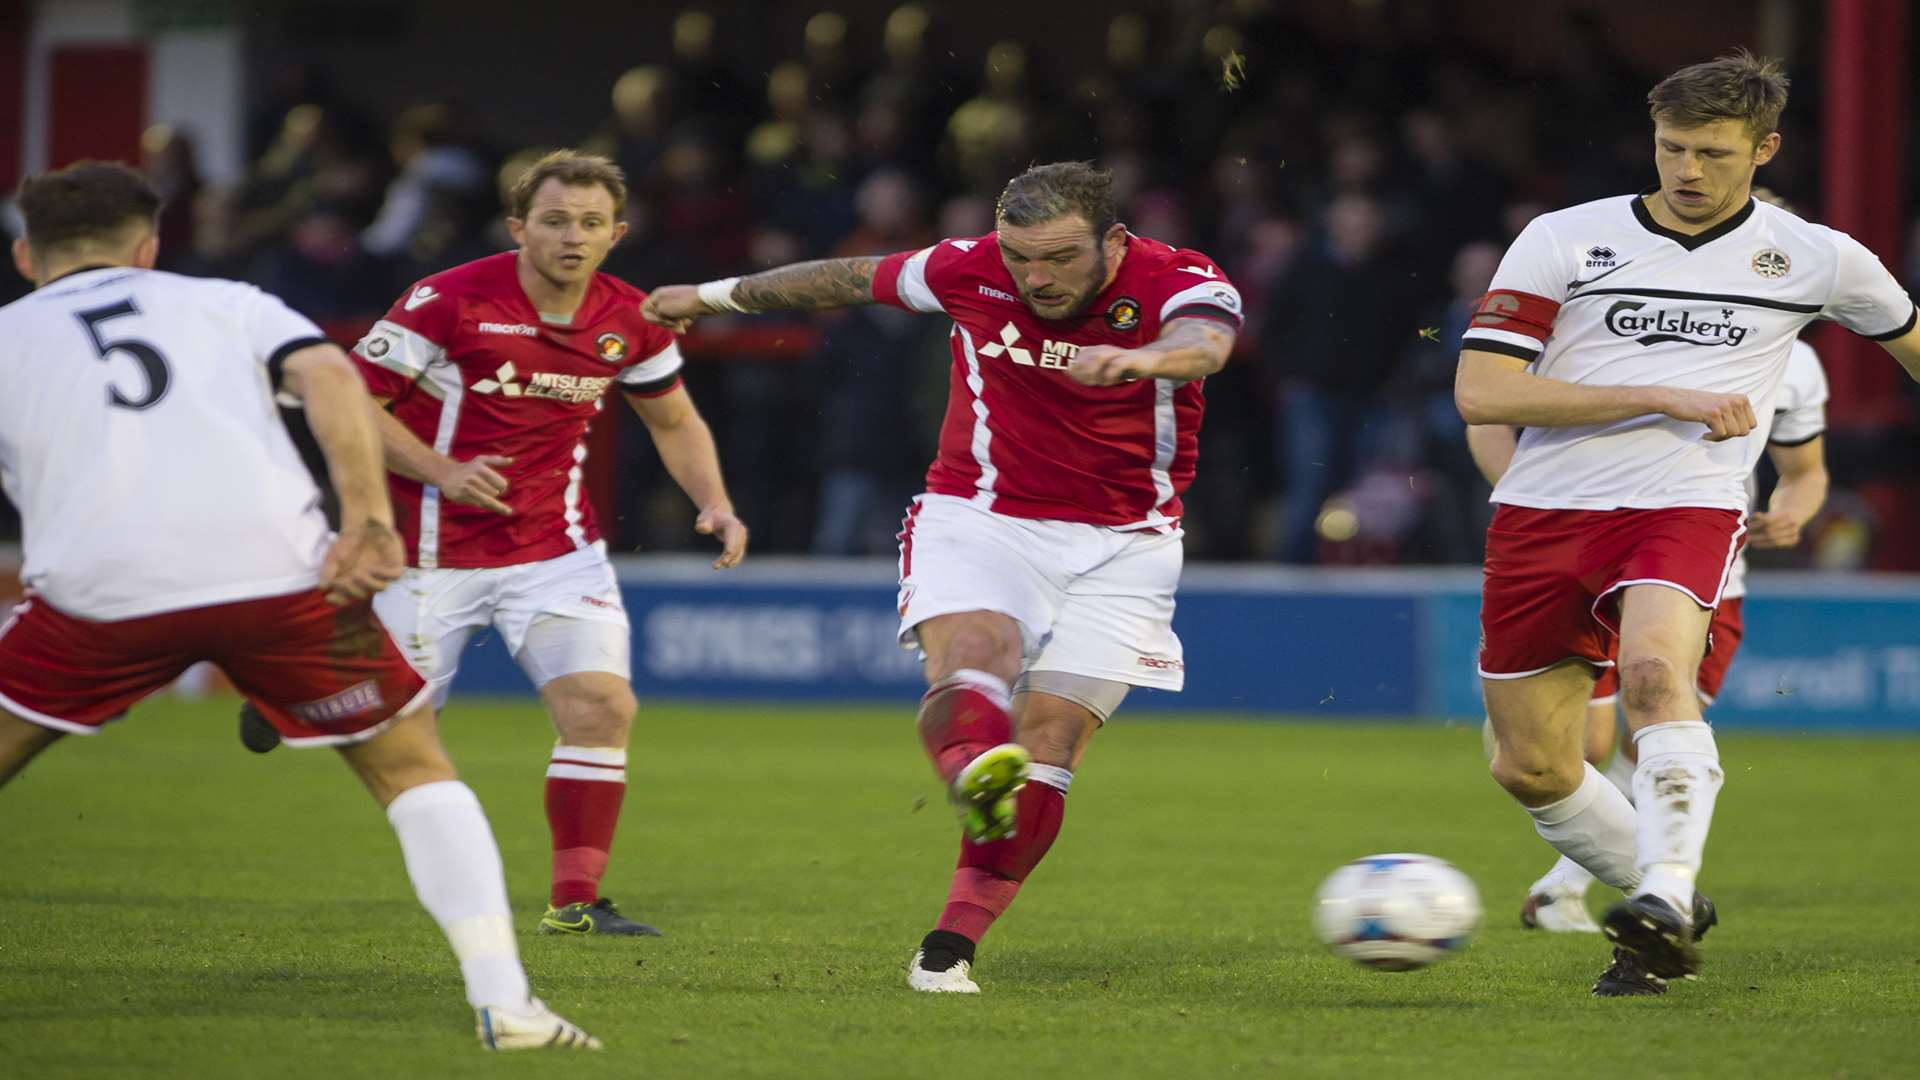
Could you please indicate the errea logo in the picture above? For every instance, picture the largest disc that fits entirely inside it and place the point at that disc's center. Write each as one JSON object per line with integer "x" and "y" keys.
{"x": 1053, "y": 354}
{"x": 1600, "y": 256}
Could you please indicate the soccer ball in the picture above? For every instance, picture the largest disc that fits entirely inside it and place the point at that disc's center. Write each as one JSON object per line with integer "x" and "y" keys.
{"x": 1396, "y": 912}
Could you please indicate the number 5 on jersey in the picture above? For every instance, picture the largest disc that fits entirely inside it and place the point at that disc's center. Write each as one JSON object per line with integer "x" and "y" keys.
{"x": 148, "y": 357}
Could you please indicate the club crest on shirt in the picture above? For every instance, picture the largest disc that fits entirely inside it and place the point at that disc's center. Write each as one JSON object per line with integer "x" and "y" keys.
{"x": 1771, "y": 263}
{"x": 1123, "y": 314}
{"x": 613, "y": 347}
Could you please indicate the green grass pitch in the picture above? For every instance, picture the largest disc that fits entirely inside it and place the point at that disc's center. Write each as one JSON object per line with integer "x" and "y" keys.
{"x": 173, "y": 906}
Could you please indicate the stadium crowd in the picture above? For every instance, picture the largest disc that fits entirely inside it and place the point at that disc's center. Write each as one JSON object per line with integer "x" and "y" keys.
{"x": 1360, "y": 199}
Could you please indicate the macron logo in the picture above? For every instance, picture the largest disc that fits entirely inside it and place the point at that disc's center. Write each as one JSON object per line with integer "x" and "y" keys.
{"x": 423, "y": 295}
{"x": 1203, "y": 271}
{"x": 988, "y": 290}
{"x": 516, "y": 329}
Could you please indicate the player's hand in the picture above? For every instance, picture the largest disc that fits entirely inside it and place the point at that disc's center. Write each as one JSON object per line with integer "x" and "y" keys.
{"x": 674, "y": 307}
{"x": 1727, "y": 416}
{"x": 364, "y": 559}
{"x": 1773, "y": 529}
{"x": 719, "y": 521}
{"x": 477, "y": 482}
{"x": 1108, "y": 365}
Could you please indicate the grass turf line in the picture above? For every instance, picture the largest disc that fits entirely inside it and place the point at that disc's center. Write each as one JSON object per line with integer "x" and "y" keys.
{"x": 173, "y": 906}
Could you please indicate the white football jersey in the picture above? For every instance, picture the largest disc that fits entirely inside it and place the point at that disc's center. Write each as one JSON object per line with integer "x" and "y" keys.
{"x": 1799, "y": 417}
{"x": 1602, "y": 295}
{"x": 139, "y": 439}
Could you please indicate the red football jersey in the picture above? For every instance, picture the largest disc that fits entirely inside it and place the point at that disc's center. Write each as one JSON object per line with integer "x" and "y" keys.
{"x": 472, "y": 368}
{"x": 1023, "y": 439}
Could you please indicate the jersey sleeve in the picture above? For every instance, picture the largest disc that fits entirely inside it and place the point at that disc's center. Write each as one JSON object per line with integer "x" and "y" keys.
{"x": 1800, "y": 416}
{"x": 1515, "y": 317}
{"x": 412, "y": 336}
{"x": 657, "y": 371}
{"x": 1866, "y": 298}
{"x": 916, "y": 280}
{"x": 1192, "y": 286}
{"x": 275, "y": 331}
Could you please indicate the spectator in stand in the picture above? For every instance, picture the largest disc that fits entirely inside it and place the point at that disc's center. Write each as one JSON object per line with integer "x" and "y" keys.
{"x": 1340, "y": 323}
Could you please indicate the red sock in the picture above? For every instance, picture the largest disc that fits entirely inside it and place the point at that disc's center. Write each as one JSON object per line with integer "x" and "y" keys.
{"x": 961, "y": 716}
{"x": 584, "y": 788}
{"x": 990, "y": 874}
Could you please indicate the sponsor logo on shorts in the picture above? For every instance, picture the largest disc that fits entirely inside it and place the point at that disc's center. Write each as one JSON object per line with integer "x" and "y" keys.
{"x": 1162, "y": 665}
{"x": 1629, "y": 319}
{"x": 594, "y": 601}
{"x": 354, "y": 700}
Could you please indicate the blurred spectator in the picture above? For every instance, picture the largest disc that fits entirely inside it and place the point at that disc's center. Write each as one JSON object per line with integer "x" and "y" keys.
{"x": 166, "y": 156}
{"x": 1338, "y": 328}
{"x": 435, "y": 169}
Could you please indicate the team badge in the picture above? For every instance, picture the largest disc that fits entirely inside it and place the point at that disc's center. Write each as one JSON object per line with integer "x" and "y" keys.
{"x": 613, "y": 348}
{"x": 1123, "y": 314}
{"x": 1771, "y": 263}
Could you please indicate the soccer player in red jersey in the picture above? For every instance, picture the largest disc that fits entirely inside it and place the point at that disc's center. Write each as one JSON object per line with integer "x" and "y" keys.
{"x": 1037, "y": 572}
{"x": 1641, "y": 341}
{"x": 169, "y": 520}
{"x": 492, "y": 372}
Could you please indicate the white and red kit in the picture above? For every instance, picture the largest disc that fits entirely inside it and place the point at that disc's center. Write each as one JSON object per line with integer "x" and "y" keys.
{"x": 473, "y": 368}
{"x": 1601, "y": 294}
{"x": 168, "y": 517}
{"x": 1037, "y": 473}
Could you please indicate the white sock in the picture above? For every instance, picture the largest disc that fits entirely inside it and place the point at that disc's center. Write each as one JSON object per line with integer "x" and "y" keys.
{"x": 1566, "y": 876}
{"x": 1051, "y": 775}
{"x": 455, "y": 867}
{"x": 1620, "y": 773}
{"x": 1593, "y": 827}
{"x": 1675, "y": 787}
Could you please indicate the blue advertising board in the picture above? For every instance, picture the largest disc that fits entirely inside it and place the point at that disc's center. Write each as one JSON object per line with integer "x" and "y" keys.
{"x": 1820, "y": 652}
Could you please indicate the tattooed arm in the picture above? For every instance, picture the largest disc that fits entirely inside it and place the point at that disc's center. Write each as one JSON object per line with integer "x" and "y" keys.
{"x": 807, "y": 286}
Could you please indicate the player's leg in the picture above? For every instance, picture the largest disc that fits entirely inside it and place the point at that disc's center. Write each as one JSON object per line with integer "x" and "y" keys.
{"x": 1539, "y": 724}
{"x": 565, "y": 624}
{"x": 20, "y": 741}
{"x": 1557, "y": 901}
{"x": 1663, "y": 634}
{"x": 965, "y": 718}
{"x": 976, "y": 601}
{"x": 327, "y": 676}
{"x": 1055, "y": 716}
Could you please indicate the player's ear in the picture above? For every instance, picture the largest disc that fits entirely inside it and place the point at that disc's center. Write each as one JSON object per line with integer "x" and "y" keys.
{"x": 23, "y": 260}
{"x": 1116, "y": 237}
{"x": 517, "y": 228}
{"x": 619, "y": 230}
{"x": 146, "y": 254}
{"x": 1767, "y": 147}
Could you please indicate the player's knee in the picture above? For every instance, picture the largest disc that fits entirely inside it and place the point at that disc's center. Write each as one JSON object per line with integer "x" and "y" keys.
{"x": 401, "y": 756}
{"x": 600, "y": 715}
{"x": 1651, "y": 685}
{"x": 1535, "y": 780}
{"x": 1054, "y": 740}
{"x": 980, "y": 646}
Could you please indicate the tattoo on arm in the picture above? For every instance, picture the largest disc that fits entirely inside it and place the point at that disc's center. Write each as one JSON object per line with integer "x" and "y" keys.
{"x": 808, "y": 286}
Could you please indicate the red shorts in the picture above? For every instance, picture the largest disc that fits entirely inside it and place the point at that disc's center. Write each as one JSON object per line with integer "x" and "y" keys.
{"x": 1723, "y": 640}
{"x": 1553, "y": 578}
{"x": 321, "y": 674}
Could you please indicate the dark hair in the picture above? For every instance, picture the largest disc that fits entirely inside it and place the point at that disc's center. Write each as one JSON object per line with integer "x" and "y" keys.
{"x": 1046, "y": 192}
{"x": 86, "y": 202}
{"x": 573, "y": 169}
{"x": 1739, "y": 86}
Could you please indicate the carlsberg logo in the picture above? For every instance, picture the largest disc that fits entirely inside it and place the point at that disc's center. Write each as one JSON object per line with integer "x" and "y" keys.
{"x": 1629, "y": 318}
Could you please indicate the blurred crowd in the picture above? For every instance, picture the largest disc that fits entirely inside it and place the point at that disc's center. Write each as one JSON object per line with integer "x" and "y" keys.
{"x": 1360, "y": 198}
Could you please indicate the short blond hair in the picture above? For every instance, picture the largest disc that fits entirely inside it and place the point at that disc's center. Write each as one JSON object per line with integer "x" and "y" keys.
{"x": 572, "y": 168}
{"x": 1739, "y": 86}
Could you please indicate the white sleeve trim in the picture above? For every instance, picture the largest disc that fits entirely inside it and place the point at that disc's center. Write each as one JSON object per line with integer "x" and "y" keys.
{"x": 654, "y": 368}
{"x": 1220, "y": 294}
{"x": 913, "y": 284}
{"x": 399, "y": 350}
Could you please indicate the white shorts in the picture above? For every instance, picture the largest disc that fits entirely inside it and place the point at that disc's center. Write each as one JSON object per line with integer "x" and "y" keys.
{"x": 557, "y": 617}
{"x": 1090, "y": 600}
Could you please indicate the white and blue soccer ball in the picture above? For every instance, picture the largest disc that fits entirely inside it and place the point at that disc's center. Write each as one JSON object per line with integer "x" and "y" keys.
{"x": 1396, "y": 912}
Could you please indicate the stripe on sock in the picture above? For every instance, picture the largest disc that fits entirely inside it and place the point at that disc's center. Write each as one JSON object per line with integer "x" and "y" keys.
{"x": 1051, "y": 775}
{"x": 564, "y": 770}
{"x": 591, "y": 755}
